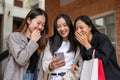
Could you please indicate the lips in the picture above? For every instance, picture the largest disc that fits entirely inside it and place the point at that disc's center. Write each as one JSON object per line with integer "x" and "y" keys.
{"x": 63, "y": 33}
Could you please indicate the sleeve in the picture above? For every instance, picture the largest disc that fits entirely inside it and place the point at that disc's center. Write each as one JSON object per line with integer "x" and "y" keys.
{"x": 106, "y": 50}
{"x": 103, "y": 49}
{"x": 21, "y": 51}
{"x": 47, "y": 58}
{"x": 4, "y": 55}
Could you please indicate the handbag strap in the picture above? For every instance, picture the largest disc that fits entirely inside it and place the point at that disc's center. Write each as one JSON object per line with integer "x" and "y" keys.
{"x": 93, "y": 55}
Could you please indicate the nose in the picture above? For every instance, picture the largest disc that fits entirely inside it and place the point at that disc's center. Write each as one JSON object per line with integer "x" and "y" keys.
{"x": 40, "y": 27}
{"x": 62, "y": 27}
{"x": 78, "y": 29}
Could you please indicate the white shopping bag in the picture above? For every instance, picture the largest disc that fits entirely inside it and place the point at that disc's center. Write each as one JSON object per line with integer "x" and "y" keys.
{"x": 90, "y": 70}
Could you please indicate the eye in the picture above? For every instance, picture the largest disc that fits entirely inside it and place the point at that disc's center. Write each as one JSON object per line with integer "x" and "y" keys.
{"x": 43, "y": 25}
{"x": 38, "y": 22}
{"x": 58, "y": 26}
{"x": 65, "y": 25}
{"x": 77, "y": 27}
{"x": 81, "y": 27}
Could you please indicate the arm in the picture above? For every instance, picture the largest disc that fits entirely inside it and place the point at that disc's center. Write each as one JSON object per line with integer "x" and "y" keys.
{"x": 20, "y": 49}
{"x": 104, "y": 48}
{"x": 49, "y": 62}
{"x": 47, "y": 58}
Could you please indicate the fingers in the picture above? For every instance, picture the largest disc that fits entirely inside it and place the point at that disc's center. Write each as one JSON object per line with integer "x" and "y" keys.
{"x": 62, "y": 78}
{"x": 35, "y": 35}
{"x": 60, "y": 63}
{"x": 81, "y": 37}
{"x": 78, "y": 36}
{"x": 55, "y": 64}
{"x": 74, "y": 68}
{"x": 37, "y": 32}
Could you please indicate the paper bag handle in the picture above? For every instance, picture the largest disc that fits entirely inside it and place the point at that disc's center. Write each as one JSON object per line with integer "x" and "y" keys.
{"x": 93, "y": 55}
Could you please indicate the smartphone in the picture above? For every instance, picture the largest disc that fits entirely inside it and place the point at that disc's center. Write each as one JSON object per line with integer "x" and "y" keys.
{"x": 60, "y": 55}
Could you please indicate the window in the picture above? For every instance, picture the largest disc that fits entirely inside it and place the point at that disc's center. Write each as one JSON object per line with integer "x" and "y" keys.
{"x": 106, "y": 24}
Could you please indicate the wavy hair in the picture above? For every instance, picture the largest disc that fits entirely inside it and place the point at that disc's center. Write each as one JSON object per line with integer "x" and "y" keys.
{"x": 32, "y": 14}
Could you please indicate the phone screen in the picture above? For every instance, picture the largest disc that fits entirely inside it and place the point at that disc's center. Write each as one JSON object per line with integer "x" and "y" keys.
{"x": 60, "y": 55}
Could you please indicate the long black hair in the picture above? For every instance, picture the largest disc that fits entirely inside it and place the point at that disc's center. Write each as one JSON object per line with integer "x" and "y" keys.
{"x": 56, "y": 40}
{"x": 87, "y": 21}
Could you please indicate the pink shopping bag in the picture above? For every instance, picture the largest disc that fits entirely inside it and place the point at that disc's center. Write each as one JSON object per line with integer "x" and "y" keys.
{"x": 101, "y": 75}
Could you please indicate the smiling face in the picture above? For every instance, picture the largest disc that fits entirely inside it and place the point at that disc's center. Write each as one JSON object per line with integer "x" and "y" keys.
{"x": 63, "y": 28}
{"x": 81, "y": 27}
{"x": 37, "y": 23}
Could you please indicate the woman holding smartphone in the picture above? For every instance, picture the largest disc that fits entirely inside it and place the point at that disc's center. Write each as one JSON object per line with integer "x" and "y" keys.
{"x": 61, "y": 51}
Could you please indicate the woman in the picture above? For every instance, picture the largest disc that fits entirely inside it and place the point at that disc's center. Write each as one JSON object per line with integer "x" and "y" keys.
{"x": 26, "y": 48}
{"x": 90, "y": 38}
{"x": 62, "y": 41}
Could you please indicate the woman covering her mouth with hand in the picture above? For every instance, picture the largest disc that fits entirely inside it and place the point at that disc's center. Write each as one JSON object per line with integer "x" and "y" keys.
{"x": 26, "y": 48}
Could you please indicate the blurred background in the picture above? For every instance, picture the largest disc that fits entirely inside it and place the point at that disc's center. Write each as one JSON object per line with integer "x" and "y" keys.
{"x": 104, "y": 13}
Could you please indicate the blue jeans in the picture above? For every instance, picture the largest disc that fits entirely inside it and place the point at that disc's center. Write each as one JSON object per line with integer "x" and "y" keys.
{"x": 28, "y": 76}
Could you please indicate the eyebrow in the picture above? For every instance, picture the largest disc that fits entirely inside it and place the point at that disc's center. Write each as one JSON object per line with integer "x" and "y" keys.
{"x": 40, "y": 21}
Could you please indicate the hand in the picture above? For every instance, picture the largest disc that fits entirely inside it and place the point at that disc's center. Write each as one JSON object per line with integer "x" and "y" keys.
{"x": 35, "y": 35}
{"x": 83, "y": 39}
{"x": 62, "y": 78}
{"x": 74, "y": 68}
{"x": 55, "y": 64}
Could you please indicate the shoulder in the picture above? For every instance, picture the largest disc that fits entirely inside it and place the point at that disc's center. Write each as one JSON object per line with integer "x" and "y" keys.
{"x": 16, "y": 36}
{"x": 101, "y": 36}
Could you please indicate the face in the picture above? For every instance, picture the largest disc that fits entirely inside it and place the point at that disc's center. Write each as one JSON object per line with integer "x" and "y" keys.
{"x": 81, "y": 27}
{"x": 37, "y": 23}
{"x": 63, "y": 28}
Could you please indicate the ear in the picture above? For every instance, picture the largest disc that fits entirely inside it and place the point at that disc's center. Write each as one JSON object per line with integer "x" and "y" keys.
{"x": 28, "y": 21}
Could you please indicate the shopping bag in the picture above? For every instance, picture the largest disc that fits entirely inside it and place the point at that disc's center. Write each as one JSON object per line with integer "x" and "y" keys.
{"x": 101, "y": 75}
{"x": 92, "y": 70}
{"x": 89, "y": 70}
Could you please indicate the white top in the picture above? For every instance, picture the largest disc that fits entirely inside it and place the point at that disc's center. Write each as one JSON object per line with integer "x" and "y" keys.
{"x": 69, "y": 57}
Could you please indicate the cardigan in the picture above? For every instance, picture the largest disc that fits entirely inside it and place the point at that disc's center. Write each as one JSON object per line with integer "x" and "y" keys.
{"x": 20, "y": 51}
